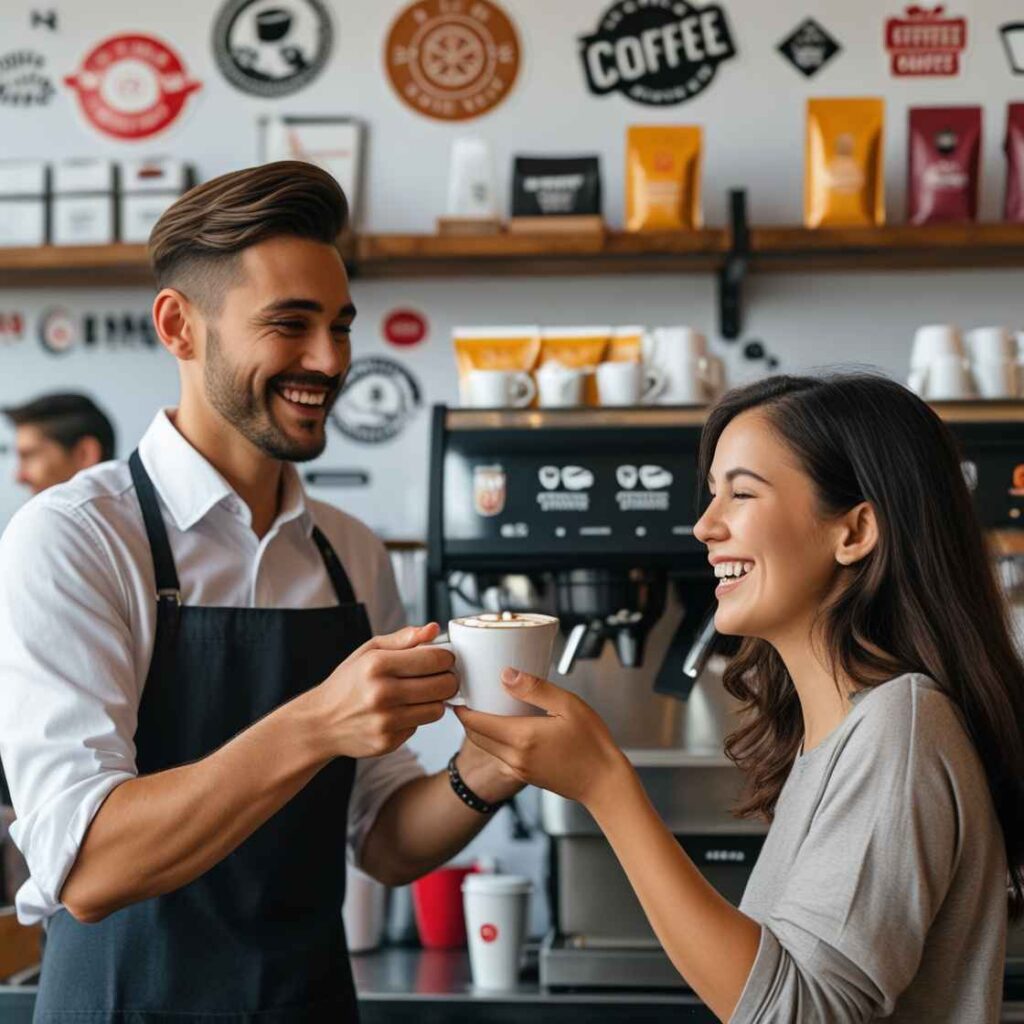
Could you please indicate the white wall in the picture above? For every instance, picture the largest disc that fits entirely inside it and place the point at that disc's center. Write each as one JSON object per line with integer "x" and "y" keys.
{"x": 753, "y": 119}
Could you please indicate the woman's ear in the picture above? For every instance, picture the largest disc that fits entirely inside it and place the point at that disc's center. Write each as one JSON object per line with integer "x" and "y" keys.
{"x": 857, "y": 534}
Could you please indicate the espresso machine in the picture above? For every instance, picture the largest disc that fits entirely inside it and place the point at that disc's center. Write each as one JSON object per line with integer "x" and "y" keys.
{"x": 588, "y": 514}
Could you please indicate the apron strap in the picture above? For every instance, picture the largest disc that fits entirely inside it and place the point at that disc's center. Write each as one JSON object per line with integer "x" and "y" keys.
{"x": 167, "y": 586}
{"x": 339, "y": 578}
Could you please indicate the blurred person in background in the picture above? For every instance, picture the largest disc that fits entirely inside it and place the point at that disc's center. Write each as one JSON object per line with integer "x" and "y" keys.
{"x": 57, "y": 436}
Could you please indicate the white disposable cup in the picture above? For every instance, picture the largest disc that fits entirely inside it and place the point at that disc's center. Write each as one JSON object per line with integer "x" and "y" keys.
{"x": 364, "y": 911}
{"x": 992, "y": 344}
{"x": 559, "y": 386}
{"x": 949, "y": 378}
{"x": 620, "y": 384}
{"x": 932, "y": 341}
{"x": 500, "y": 389}
{"x": 996, "y": 378}
{"x": 485, "y": 644}
{"x": 497, "y": 911}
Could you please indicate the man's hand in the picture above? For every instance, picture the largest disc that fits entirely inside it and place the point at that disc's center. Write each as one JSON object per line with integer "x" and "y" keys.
{"x": 488, "y": 776}
{"x": 382, "y": 693}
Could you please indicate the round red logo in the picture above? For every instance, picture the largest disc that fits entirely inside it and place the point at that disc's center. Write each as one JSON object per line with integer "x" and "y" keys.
{"x": 452, "y": 59}
{"x": 489, "y": 932}
{"x": 132, "y": 86}
{"x": 405, "y": 327}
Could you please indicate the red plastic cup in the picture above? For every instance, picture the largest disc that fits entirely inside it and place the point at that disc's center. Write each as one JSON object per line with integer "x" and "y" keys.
{"x": 437, "y": 900}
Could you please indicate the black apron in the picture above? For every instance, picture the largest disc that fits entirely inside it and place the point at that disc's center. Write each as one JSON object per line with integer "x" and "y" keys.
{"x": 259, "y": 937}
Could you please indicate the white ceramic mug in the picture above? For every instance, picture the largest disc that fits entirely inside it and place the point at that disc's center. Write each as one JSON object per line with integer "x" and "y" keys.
{"x": 692, "y": 375}
{"x": 628, "y": 383}
{"x": 996, "y": 378}
{"x": 932, "y": 341}
{"x": 497, "y": 912}
{"x": 485, "y": 644}
{"x": 500, "y": 389}
{"x": 559, "y": 386}
{"x": 949, "y": 378}
{"x": 992, "y": 345}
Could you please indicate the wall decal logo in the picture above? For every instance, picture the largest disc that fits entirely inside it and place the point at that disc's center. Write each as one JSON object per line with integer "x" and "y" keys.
{"x": 809, "y": 47}
{"x": 44, "y": 19}
{"x": 452, "y": 59}
{"x": 12, "y": 328}
{"x": 272, "y": 47}
{"x": 923, "y": 43}
{"x": 22, "y": 81}
{"x": 657, "y": 52}
{"x": 132, "y": 86}
{"x": 378, "y": 400}
{"x": 61, "y": 331}
{"x": 1012, "y": 34}
{"x": 404, "y": 327}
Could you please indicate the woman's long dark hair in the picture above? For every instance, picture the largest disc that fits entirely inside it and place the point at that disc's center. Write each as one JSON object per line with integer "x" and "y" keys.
{"x": 925, "y": 600}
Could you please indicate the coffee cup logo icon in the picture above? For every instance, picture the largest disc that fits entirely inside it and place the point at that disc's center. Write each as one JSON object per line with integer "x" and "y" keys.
{"x": 489, "y": 490}
{"x": 489, "y": 932}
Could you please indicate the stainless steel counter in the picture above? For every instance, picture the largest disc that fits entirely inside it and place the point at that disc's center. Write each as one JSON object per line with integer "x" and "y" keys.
{"x": 413, "y": 986}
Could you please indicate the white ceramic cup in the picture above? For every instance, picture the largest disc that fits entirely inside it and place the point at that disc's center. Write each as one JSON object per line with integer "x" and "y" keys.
{"x": 497, "y": 912}
{"x": 500, "y": 389}
{"x": 485, "y": 644}
{"x": 365, "y": 910}
{"x": 996, "y": 378}
{"x": 692, "y": 375}
{"x": 559, "y": 386}
{"x": 949, "y": 378}
{"x": 932, "y": 341}
{"x": 628, "y": 383}
{"x": 992, "y": 345}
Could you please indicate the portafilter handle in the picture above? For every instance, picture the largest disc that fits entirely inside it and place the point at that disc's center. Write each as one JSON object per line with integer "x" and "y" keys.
{"x": 572, "y": 646}
{"x": 701, "y": 650}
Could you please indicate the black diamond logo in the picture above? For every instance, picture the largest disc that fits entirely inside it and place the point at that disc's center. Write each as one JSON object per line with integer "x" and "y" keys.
{"x": 809, "y": 47}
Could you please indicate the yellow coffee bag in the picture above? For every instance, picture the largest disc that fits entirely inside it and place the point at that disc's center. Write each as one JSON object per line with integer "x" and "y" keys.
{"x": 663, "y": 177}
{"x": 844, "y": 178}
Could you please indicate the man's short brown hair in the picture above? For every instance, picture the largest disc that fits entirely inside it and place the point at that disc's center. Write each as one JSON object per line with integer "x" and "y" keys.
{"x": 195, "y": 245}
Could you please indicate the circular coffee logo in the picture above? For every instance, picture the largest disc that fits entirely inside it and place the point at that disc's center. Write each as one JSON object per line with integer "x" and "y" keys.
{"x": 132, "y": 86}
{"x": 452, "y": 59}
{"x": 378, "y": 400}
{"x": 272, "y": 47}
{"x": 57, "y": 331}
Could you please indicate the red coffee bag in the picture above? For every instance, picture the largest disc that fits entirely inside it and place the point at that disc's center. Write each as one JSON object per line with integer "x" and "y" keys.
{"x": 1014, "y": 209}
{"x": 942, "y": 167}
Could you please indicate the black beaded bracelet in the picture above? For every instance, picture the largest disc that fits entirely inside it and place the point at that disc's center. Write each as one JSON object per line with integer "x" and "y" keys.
{"x": 466, "y": 795}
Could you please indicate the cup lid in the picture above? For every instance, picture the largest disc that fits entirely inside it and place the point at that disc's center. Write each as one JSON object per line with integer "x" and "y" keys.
{"x": 497, "y": 885}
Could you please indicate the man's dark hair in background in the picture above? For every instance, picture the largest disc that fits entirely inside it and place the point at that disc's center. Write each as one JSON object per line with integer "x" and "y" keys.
{"x": 58, "y": 435}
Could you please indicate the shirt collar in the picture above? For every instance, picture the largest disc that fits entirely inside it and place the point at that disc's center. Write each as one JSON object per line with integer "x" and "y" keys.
{"x": 190, "y": 487}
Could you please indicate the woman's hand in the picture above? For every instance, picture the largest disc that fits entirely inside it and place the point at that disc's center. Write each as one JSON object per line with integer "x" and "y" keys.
{"x": 569, "y": 751}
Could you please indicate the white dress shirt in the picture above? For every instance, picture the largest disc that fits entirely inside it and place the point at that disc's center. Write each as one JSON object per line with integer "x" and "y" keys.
{"x": 78, "y": 623}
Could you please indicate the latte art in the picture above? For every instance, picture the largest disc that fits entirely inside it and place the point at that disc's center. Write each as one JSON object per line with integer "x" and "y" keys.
{"x": 504, "y": 620}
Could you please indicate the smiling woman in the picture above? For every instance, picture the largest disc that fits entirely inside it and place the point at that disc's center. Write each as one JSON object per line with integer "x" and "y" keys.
{"x": 883, "y": 729}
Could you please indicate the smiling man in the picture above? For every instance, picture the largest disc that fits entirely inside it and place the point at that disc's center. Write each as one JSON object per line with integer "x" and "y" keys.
{"x": 205, "y": 687}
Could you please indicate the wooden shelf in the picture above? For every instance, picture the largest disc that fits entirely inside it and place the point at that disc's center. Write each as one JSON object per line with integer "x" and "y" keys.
{"x": 74, "y": 266}
{"x": 899, "y": 247}
{"x": 614, "y": 252}
{"x": 895, "y": 247}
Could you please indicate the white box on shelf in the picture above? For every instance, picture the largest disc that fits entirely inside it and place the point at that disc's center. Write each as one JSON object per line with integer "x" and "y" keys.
{"x": 333, "y": 143}
{"x": 148, "y": 187}
{"x": 23, "y": 187}
{"x": 83, "y": 202}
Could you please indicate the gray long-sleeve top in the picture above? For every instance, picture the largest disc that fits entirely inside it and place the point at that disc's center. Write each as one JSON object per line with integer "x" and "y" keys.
{"x": 881, "y": 889}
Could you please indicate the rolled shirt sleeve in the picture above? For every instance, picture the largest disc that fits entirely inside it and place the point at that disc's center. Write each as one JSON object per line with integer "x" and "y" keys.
{"x": 846, "y": 936}
{"x": 69, "y": 707}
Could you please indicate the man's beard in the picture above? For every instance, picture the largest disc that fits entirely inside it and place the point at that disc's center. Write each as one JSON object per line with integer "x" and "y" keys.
{"x": 251, "y": 415}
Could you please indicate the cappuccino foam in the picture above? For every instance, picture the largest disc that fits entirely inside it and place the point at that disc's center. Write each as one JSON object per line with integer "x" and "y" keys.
{"x": 504, "y": 620}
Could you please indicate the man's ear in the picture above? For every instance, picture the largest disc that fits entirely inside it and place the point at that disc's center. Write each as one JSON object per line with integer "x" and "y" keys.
{"x": 176, "y": 321}
{"x": 857, "y": 534}
{"x": 87, "y": 452}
